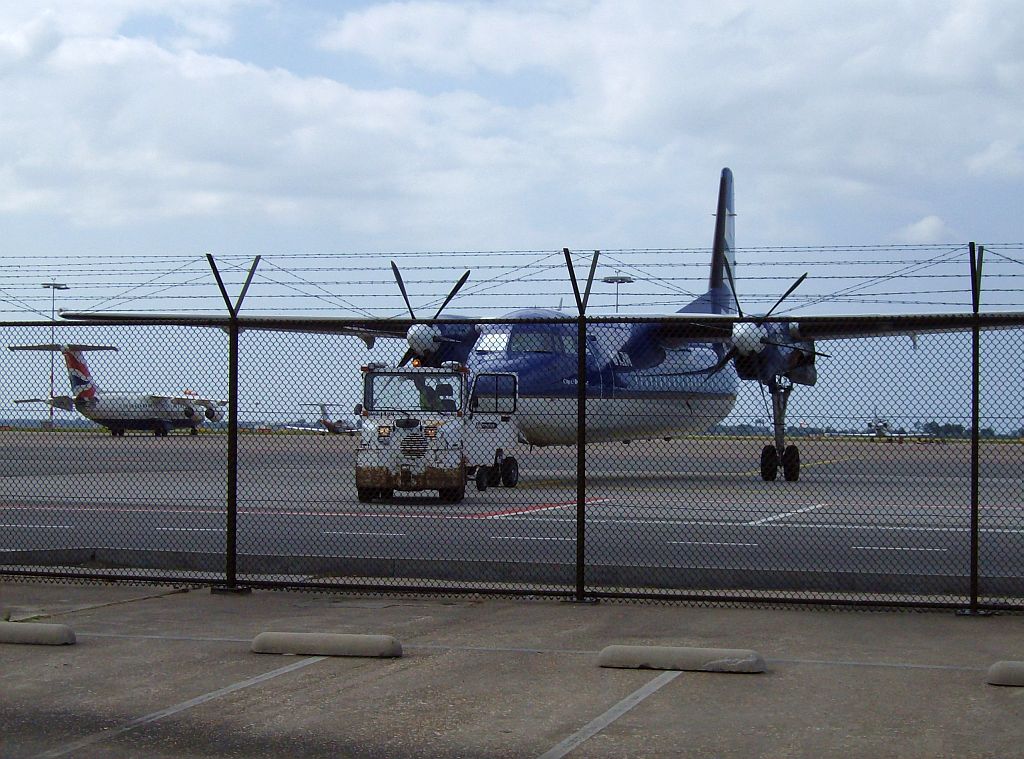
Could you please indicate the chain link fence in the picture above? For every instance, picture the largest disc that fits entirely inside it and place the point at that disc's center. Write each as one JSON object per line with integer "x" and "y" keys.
{"x": 475, "y": 481}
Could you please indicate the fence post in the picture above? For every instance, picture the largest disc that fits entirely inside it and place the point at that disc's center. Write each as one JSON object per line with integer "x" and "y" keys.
{"x": 231, "y": 524}
{"x": 976, "y": 256}
{"x": 581, "y": 423}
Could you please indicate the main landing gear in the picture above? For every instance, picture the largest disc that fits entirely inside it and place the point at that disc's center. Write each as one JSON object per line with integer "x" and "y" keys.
{"x": 780, "y": 453}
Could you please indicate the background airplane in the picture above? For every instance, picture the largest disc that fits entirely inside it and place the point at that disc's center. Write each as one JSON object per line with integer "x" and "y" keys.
{"x": 341, "y": 426}
{"x": 655, "y": 377}
{"x": 124, "y": 411}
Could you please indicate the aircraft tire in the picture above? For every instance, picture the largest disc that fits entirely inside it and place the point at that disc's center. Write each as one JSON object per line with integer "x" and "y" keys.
{"x": 509, "y": 472}
{"x": 193, "y": 431}
{"x": 769, "y": 463}
{"x": 791, "y": 463}
{"x": 483, "y": 478}
{"x": 494, "y": 475}
{"x": 365, "y": 495}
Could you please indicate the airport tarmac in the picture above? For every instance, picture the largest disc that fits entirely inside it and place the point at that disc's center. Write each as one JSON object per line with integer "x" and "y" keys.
{"x": 690, "y": 515}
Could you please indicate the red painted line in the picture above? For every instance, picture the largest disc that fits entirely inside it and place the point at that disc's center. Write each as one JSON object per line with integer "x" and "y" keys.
{"x": 528, "y": 509}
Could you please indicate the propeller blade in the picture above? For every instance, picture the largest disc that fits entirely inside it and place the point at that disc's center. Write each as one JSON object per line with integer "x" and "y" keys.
{"x": 785, "y": 295}
{"x": 401, "y": 286}
{"x": 455, "y": 290}
{"x": 732, "y": 286}
{"x": 409, "y": 354}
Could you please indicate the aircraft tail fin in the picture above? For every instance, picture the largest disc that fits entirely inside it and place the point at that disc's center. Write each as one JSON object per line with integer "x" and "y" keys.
{"x": 83, "y": 387}
{"x": 719, "y": 299}
{"x": 724, "y": 245}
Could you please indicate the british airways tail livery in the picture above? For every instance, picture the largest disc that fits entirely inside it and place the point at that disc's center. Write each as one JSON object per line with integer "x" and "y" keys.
{"x": 124, "y": 411}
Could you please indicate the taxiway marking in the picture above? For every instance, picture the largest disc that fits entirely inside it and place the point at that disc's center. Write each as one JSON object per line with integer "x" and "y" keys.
{"x": 785, "y": 514}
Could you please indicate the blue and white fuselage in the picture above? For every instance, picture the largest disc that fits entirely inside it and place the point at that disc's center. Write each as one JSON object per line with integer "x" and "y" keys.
{"x": 628, "y": 396}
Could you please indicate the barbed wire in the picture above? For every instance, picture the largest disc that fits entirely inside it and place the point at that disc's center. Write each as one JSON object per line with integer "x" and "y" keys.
{"x": 348, "y": 283}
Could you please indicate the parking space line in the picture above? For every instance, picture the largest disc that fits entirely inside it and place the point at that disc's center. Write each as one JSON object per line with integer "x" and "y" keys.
{"x": 595, "y": 726}
{"x": 897, "y": 548}
{"x": 706, "y": 543}
{"x": 75, "y": 746}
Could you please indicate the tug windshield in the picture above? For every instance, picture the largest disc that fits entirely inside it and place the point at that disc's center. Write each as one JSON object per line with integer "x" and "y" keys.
{"x": 396, "y": 391}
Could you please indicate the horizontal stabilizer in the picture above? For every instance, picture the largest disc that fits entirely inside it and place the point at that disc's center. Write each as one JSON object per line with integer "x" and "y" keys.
{"x": 61, "y": 348}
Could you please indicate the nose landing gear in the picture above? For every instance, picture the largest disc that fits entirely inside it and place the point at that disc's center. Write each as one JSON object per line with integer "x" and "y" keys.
{"x": 780, "y": 453}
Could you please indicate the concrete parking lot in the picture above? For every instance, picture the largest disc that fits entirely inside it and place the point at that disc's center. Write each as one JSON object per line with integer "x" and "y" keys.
{"x": 168, "y": 672}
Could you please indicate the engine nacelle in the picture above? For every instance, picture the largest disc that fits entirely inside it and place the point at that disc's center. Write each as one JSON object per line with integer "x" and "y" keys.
{"x": 214, "y": 413}
{"x": 423, "y": 339}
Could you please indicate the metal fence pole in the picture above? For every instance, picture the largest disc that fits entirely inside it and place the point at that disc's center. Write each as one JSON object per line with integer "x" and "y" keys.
{"x": 581, "y": 421}
{"x": 581, "y": 458}
{"x": 231, "y": 538}
{"x": 976, "y": 261}
{"x": 231, "y": 523}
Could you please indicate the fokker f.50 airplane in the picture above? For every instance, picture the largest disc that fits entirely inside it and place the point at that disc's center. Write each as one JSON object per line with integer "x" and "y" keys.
{"x": 663, "y": 376}
{"x": 124, "y": 411}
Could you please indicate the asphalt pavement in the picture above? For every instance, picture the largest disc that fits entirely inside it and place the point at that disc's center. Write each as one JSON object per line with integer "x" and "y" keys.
{"x": 168, "y": 672}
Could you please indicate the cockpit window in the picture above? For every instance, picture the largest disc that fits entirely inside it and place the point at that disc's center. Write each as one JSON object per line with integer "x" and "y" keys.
{"x": 519, "y": 341}
{"x": 491, "y": 342}
{"x": 533, "y": 342}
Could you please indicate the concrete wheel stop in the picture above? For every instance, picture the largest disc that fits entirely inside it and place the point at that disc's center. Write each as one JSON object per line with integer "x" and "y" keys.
{"x": 36, "y": 633}
{"x": 327, "y": 644}
{"x": 1006, "y": 673}
{"x": 735, "y": 660}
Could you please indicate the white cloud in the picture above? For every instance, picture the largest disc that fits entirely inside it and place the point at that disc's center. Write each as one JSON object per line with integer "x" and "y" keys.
{"x": 1001, "y": 158}
{"x": 821, "y": 108}
{"x": 930, "y": 229}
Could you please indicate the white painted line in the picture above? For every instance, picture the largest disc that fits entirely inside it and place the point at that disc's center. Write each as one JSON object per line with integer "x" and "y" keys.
{"x": 47, "y": 526}
{"x": 706, "y": 543}
{"x": 785, "y": 514}
{"x": 594, "y": 727}
{"x": 516, "y": 537}
{"x": 189, "y": 529}
{"x": 375, "y": 534}
{"x": 74, "y": 747}
{"x": 897, "y": 548}
{"x": 794, "y": 525}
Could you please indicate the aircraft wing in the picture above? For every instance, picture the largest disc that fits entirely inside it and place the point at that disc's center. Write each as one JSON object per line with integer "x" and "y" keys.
{"x": 838, "y": 327}
{"x": 65, "y": 402}
{"x": 366, "y": 330}
{"x": 718, "y": 327}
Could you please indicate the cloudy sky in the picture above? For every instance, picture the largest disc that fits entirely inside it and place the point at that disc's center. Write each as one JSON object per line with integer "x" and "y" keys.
{"x": 246, "y": 126}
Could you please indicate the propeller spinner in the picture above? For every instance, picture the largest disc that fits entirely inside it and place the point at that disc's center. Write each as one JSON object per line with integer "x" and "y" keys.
{"x": 424, "y": 339}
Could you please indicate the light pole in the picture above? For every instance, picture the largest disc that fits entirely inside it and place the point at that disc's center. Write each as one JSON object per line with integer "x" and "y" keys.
{"x": 53, "y": 287}
{"x": 618, "y": 279}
